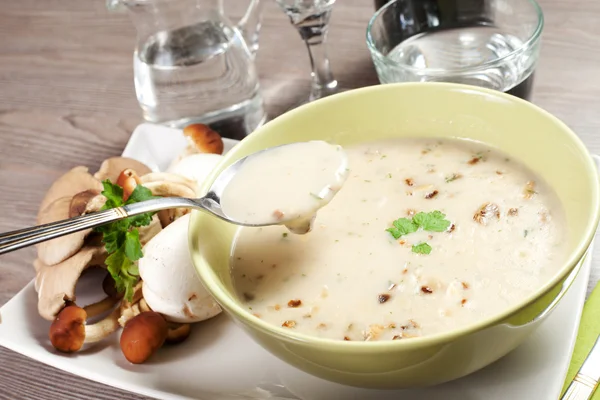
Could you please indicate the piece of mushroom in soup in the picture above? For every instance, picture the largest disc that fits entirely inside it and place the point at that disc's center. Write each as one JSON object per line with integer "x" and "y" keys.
{"x": 425, "y": 236}
{"x": 286, "y": 184}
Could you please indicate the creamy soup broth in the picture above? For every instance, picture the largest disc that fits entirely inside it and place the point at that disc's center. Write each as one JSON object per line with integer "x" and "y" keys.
{"x": 490, "y": 233}
{"x": 286, "y": 184}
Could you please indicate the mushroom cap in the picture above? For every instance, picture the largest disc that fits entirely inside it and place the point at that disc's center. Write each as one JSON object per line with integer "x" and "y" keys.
{"x": 55, "y": 284}
{"x": 111, "y": 168}
{"x": 75, "y": 181}
{"x": 196, "y": 167}
{"x": 67, "y": 332}
{"x": 58, "y": 250}
{"x": 170, "y": 285}
{"x": 204, "y": 139}
{"x": 142, "y": 336}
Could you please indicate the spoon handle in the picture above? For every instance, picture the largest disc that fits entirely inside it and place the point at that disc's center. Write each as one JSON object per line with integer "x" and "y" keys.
{"x": 15, "y": 240}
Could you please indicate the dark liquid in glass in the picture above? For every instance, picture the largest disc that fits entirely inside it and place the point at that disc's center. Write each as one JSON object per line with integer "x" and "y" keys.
{"x": 447, "y": 14}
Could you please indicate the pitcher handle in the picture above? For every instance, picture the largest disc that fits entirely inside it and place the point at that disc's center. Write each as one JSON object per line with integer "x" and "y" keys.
{"x": 250, "y": 25}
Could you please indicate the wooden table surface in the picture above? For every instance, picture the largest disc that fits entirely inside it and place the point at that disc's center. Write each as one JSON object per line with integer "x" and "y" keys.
{"x": 67, "y": 98}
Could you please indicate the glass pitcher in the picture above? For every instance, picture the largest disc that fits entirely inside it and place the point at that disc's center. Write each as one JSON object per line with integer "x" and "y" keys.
{"x": 191, "y": 64}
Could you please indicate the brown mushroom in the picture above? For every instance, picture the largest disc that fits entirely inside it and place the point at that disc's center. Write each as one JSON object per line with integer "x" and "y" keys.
{"x": 68, "y": 332}
{"x": 75, "y": 181}
{"x": 128, "y": 179}
{"x": 177, "y": 332}
{"x": 204, "y": 139}
{"x": 112, "y": 168}
{"x": 142, "y": 336}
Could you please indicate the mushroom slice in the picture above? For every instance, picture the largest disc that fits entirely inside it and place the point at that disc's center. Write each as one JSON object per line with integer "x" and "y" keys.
{"x": 75, "y": 181}
{"x": 486, "y": 212}
{"x": 61, "y": 248}
{"x": 69, "y": 331}
{"x": 112, "y": 168}
{"x": 80, "y": 201}
{"x": 170, "y": 189}
{"x": 95, "y": 204}
{"x": 156, "y": 177}
{"x": 169, "y": 282}
{"x": 56, "y": 284}
{"x": 196, "y": 167}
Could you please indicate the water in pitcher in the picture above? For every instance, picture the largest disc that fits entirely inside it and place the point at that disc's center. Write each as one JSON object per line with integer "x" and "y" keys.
{"x": 199, "y": 73}
{"x": 468, "y": 47}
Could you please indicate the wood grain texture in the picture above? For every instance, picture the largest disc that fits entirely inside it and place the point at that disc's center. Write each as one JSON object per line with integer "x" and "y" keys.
{"x": 67, "y": 98}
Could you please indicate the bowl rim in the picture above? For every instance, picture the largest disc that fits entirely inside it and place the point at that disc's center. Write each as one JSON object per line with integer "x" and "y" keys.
{"x": 526, "y": 45}
{"x": 209, "y": 278}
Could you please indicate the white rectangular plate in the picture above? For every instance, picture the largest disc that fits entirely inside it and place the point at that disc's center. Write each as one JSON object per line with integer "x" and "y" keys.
{"x": 219, "y": 361}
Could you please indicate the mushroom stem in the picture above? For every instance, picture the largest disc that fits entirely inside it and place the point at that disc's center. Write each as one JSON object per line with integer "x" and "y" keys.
{"x": 177, "y": 333}
{"x": 144, "y": 306}
{"x": 100, "y": 330}
{"x": 100, "y": 307}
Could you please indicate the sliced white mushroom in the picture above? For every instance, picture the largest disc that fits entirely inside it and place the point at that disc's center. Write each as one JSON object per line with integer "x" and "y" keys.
{"x": 55, "y": 284}
{"x": 75, "y": 181}
{"x": 196, "y": 167}
{"x": 112, "y": 168}
{"x": 170, "y": 285}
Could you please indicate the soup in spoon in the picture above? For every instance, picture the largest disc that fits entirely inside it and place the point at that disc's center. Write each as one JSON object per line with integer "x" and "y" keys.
{"x": 286, "y": 184}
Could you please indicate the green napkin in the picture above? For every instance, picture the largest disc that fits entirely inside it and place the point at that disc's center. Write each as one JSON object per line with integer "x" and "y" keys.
{"x": 589, "y": 329}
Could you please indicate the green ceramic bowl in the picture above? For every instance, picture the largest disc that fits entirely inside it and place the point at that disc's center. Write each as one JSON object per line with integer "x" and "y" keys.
{"x": 530, "y": 134}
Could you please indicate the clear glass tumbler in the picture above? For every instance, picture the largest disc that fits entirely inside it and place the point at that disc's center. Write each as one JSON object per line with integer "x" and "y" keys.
{"x": 489, "y": 43}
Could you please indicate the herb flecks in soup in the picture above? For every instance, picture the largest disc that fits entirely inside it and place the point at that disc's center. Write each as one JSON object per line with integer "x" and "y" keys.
{"x": 425, "y": 236}
{"x": 286, "y": 185}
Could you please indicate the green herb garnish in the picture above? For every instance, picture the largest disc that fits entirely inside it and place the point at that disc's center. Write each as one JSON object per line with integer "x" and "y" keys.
{"x": 402, "y": 226}
{"x": 122, "y": 238}
{"x": 453, "y": 177}
{"x": 433, "y": 221}
{"x": 421, "y": 248}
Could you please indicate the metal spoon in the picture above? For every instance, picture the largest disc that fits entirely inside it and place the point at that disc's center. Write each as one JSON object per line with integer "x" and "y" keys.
{"x": 211, "y": 203}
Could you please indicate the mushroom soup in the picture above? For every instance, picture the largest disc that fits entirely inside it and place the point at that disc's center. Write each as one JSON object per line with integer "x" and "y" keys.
{"x": 425, "y": 236}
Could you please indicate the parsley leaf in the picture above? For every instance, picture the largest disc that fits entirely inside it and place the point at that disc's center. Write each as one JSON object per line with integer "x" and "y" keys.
{"x": 122, "y": 238}
{"x": 113, "y": 194}
{"x": 433, "y": 221}
{"x": 402, "y": 226}
{"x": 140, "y": 193}
{"x": 132, "y": 246}
{"x": 421, "y": 248}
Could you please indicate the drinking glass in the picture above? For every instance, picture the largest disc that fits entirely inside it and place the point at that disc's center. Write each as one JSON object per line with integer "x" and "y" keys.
{"x": 311, "y": 19}
{"x": 489, "y": 43}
